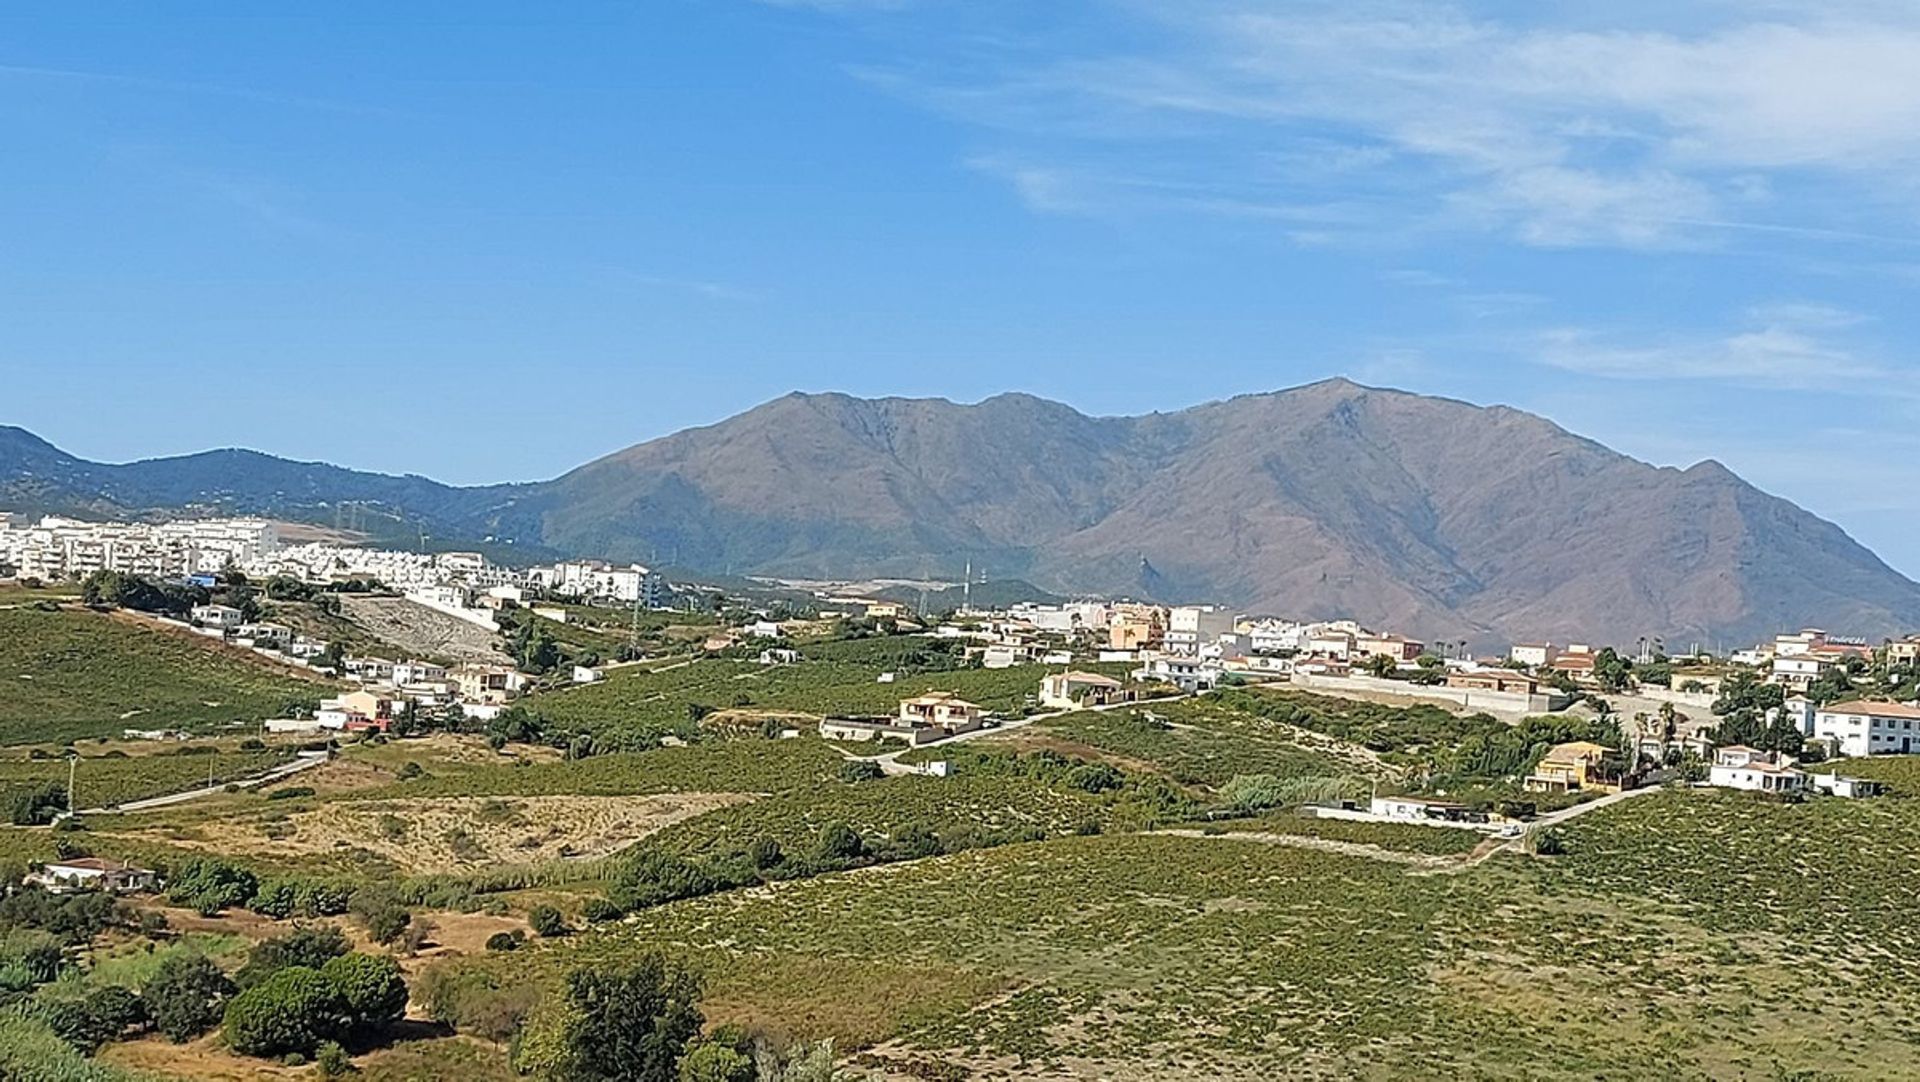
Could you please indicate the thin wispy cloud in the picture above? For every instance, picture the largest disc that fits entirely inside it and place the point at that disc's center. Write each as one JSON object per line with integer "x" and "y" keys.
{"x": 710, "y": 290}
{"x": 190, "y": 87}
{"x": 1773, "y": 357}
{"x": 1790, "y": 118}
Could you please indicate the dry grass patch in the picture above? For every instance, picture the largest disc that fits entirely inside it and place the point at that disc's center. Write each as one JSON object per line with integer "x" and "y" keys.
{"x": 450, "y": 834}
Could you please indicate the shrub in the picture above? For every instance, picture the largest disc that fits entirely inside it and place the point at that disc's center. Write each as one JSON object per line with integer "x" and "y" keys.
{"x": 333, "y": 1061}
{"x": 306, "y": 948}
{"x": 388, "y": 923}
{"x": 715, "y": 1060}
{"x": 858, "y": 770}
{"x": 600, "y": 911}
{"x": 186, "y": 995}
{"x": 88, "y": 1021}
{"x": 505, "y": 941}
{"x": 210, "y": 885}
{"x": 765, "y": 853}
{"x": 546, "y": 921}
{"x": 382, "y": 912}
{"x": 292, "y": 1011}
{"x": 369, "y": 986}
{"x": 290, "y": 792}
{"x": 632, "y": 1022}
{"x": 654, "y": 878}
{"x": 38, "y": 806}
{"x": 1095, "y": 778}
{"x": 477, "y": 1000}
{"x": 838, "y": 843}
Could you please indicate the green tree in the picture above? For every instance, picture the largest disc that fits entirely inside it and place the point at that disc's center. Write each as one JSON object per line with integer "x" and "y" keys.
{"x": 309, "y": 948}
{"x": 716, "y": 1061}
{"x": 629, "y": 1024}
{"x": 210, "y": 885}
{"x": 838, "y": 842}
{"x": 546, "y": 921}
{"x": 370, "y": 988}
{"x": 186, "y": 995}
{"x": 292, "y": 1011}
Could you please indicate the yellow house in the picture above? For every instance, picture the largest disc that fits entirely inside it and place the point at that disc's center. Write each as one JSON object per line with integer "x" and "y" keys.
{"x": 1571, "y": 768}
{"x": 940, "y": 708}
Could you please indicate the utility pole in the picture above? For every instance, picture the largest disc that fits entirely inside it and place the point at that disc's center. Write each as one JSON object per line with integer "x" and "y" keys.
{"x": 73, "y": 763}
{"x": 966, "y": 590}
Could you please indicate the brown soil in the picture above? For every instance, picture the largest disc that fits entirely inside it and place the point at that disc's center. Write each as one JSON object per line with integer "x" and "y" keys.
{"x": 449, "y": 834}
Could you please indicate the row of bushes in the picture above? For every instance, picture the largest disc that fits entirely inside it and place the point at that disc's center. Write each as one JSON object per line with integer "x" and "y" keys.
{"x": 654, "y": 877}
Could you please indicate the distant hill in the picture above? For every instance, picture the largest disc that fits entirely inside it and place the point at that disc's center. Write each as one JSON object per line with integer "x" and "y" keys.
{"x": 1441, "y": 518}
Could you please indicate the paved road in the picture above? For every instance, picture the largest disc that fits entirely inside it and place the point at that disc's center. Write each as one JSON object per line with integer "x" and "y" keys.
{"x": 285, "y": 770}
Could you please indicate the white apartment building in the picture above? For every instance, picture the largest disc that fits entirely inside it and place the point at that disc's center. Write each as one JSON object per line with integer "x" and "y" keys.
{"x": 1799, "y": 671}
{"x": 1869, "y": 727}
{"x": 56, "y": 548}
{"x": 591, "y": 580}
{"x": 1190, "y": 627}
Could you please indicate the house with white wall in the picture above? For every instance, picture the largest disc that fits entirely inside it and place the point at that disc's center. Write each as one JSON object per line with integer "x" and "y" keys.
{"x": 1869, "y": 727}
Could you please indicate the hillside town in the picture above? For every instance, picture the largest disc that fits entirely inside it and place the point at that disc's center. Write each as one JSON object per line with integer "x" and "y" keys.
{"x": 1794, "y": 694}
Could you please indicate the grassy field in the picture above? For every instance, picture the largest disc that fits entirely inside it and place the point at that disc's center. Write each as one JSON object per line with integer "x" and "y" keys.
{"x": 1686, "y": 934}
{"x": 103, "y": 780}
{"x": 1202, "y": 742}
{"x": 74, "y": 674}
{"x": 636, "y": 706}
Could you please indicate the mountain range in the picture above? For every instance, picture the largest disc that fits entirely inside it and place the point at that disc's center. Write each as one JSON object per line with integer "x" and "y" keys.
{"x": 1427, "y": 515}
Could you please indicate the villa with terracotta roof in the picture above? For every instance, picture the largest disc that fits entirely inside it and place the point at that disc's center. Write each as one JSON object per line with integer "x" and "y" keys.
{"x": 1740, "y": 767}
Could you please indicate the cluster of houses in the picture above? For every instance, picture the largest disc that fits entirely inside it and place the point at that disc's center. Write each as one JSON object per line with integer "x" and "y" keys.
{"x": 390, "y": 688}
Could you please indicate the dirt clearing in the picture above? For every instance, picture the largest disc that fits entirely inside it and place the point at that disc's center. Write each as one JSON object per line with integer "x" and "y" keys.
{"x": 452, "y": 834}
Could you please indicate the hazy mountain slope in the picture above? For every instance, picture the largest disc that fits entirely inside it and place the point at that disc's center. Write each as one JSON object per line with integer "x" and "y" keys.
{"x": 39, "y": 478}
{"x": 1433, "y": 516}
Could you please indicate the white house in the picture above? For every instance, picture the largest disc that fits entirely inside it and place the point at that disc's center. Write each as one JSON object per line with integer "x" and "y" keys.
{"x": 1190, "y": 627}
{"x": 1186, "y": 673}
{"x": 1333, "y": 643}
{"x": 762, "y": 629}
{"x": 222, "y": 617}
{"x": 1072, "y": 690}
{"x": 1799, "y": 671}
{"x": 266, "y": 636}
{"x": 418, "y": 672}
{"x": 93, "y": 873}
{"x": 1869, "y": 727}
{"x": 586, "y": 674}
{"x": 1842, "y": 786}
{"x": 1532, "y": 654}
{"x": 1740, "y": 767}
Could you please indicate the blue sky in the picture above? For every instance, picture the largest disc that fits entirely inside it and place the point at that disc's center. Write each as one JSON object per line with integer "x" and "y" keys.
{"x": 488, "y": 241}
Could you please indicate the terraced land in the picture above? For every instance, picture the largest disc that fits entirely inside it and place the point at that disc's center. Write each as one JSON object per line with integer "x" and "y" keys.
{"x": 73, "y": 673}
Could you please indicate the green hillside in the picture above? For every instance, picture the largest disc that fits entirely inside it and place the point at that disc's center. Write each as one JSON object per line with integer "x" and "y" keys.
{"x": 73, "y": 673}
